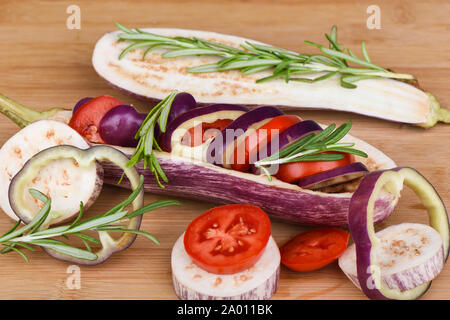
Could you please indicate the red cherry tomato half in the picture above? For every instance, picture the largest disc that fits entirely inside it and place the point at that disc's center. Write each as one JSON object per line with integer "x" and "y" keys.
{"x": 86, "y": 119}
{"x": 294, "y": 171}
{"x": 253, "y": 143}
{"x": 228, "y": 239}
{"x": 314, "y": 249}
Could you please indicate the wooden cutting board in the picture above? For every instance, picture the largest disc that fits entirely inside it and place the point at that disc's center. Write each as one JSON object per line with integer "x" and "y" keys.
{"x": 43, "y": 64}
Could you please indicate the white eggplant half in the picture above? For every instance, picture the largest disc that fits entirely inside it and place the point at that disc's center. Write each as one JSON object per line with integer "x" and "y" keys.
{"x": 63, "y": 180}
{"x": 154, "y": 77}
{"x": 259, "y": 282}
{"x": 409, "y": 255}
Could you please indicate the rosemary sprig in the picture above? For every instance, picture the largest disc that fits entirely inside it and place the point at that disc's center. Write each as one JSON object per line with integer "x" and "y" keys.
{"x": 312, "y": 148}
{"x": 250, "y": 58}
{"x": 30, "y": 234}
{"x": 147, "y": 141}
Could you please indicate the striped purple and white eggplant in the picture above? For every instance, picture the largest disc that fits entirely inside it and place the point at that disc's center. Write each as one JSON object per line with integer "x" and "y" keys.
{"x": 259, "y": 282}
{"x": 194, "y": 179}
{"x": 400, "y": 261}
{"x": 199, "y": 180}
{"x": 150, "y": 79}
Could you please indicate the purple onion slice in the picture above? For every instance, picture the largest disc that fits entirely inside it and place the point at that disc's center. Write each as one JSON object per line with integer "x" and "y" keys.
{"x": 220, "y": 150}
{"x": 80, "y": 103}
{"x": 360, "y": 219}
{"x": 342, "y": 174}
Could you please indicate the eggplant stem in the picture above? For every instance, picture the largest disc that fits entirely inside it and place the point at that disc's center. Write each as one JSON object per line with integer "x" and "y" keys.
{"x": 436, "y": 114}
{"x": 22, "y": 115}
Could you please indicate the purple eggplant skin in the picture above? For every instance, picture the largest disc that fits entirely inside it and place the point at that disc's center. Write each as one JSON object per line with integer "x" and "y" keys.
{"x": 339, "y": 175}
{"x": 166, "y": 138}
{"x": 120, "y": 124}
{"x": 241, "y": 124}
{"x": 358, "y": 220}
{"x": 80, "y": 103}
{"x": 182, "y": 102}
{"x": 202, "y": 181}
{"x": 288, "y": 136}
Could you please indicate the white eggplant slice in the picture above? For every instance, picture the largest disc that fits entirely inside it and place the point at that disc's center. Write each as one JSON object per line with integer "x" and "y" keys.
{"x": 63, "y": 180}
{"x": 409, "y": 255}
{"x": 367, "y": 242}
{"x": 259, "y": 282}
{"x": 153, "y": 77}
{"x": 85, "y": 158}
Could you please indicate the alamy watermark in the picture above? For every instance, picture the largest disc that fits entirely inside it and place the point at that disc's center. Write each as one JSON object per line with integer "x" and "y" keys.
{"x": 73, "y": 281}
{"x": 374, "y": 19}
{"x": 73, "y": 21}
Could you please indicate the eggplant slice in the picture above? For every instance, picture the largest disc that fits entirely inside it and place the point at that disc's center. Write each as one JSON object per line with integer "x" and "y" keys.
{"x": 152, "y": 78}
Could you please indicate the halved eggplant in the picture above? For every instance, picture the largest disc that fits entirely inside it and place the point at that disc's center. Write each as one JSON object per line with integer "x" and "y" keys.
{"x": 151, "y": 78}
{"x": 193, "y": 179}
{"x": 199, "y": 180}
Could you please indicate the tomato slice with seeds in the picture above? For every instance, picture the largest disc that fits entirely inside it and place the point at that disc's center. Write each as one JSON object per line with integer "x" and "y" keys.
{"x": 247, "y": 151}
{"x": 314, "y": 249}
{"x": 228, "y": 239}
{"x": 86, "y": 120}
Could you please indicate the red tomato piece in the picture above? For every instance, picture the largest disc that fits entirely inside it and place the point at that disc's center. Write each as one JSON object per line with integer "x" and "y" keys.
{"x": 314, "y": 249}
{"x": 249, "y": 148}
{"x": 294, "y": 171}
{"x": 86, "y": 120}
{"x": 228, "y": 239}
{"x": 202, "y": 132}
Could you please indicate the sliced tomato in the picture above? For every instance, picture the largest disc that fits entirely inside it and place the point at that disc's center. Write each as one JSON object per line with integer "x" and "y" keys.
{"x": 314, "y": 249}
{"x": 228, "y": 239}
{"x": 294, "y": 171}
{"x": 249, "y": 148}
{"x": 86, "y": 120}
{"x": 202, "y": 132}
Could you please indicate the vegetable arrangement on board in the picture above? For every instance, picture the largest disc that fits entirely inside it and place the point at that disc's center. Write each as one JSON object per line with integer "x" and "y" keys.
{"x": 254, "y": 160}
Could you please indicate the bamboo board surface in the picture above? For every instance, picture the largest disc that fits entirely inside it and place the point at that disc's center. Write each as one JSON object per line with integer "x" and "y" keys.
{"x": 43, "y": 64}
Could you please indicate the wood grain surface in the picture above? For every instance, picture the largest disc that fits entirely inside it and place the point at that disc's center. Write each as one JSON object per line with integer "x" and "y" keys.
{"x": 43, "y": 64}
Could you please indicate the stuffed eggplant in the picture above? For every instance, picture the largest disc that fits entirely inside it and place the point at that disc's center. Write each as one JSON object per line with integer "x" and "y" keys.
{"x": 192, "y": 177}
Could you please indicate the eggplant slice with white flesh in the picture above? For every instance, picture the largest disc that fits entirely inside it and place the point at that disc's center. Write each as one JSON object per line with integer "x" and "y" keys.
{"x": 85, "y": 158}
{"x": 194, "y": 179}
{"x": 259, "y": 282}
{"x": 151, "y": 77}
{"x": 399, "y": 261}
{"x": 64, "y": 180}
